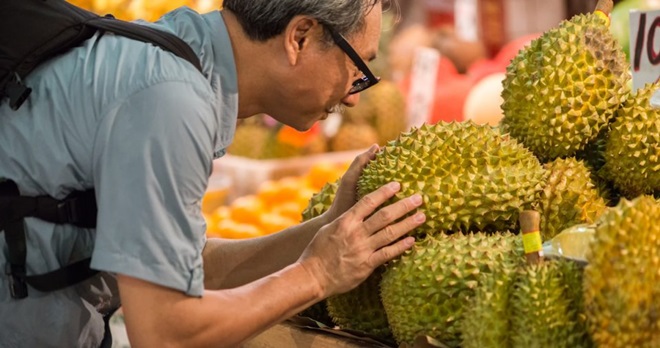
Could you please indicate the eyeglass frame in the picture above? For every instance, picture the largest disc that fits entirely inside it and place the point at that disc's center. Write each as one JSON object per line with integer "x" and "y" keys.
{"x": 368, "y": 79}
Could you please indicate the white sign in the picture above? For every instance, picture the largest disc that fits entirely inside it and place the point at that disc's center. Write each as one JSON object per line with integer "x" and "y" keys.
{"x": 466, "y": 19}
{"x": 644, "y": 47}
{"x": 423, "y": 76}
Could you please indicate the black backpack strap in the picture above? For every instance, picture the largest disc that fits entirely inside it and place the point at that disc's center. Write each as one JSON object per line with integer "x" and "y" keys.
{"x": 164, "y": 40}
{"x": 78, "y": 209}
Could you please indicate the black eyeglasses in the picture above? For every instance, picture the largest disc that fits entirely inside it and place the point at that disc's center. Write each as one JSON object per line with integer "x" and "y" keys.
{"x": 368, "y": 79}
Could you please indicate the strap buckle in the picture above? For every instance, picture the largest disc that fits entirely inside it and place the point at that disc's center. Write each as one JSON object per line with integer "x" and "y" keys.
{"x": 17, "y": 92}
{"x": 66, "y": 210}
{"x": 17, "y": 284}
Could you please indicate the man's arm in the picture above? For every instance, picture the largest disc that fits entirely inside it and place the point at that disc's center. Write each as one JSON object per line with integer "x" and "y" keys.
{"x": 340, "y": 256}
{"x": 233, "y": 262}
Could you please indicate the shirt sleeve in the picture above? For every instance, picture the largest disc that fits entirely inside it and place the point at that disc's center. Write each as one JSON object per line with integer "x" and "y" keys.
{"x": 152, "y": 159}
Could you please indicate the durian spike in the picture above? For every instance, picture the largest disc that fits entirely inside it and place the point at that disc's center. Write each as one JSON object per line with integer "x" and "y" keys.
{"x": 530, "y": 222}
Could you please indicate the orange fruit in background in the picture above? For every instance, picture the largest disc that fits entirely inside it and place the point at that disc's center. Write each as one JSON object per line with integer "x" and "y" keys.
{"x": 323, "y": 172}
{"x": 273, "y": 222}
{"x": 246, "y": 209}
{"x": 236, "y": 230}
{"x": 292, "y": 210}
{"x": 212, "y": 199}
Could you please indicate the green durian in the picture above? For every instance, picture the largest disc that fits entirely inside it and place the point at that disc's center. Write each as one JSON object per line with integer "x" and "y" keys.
{"x": 318, "y": 204}
{"x": 485, "y": 323}
{"x": 563, "y": 89}
{"x": 568, "y": 198}
{"x": 621, "y": 280}
{"x": 427, "y": 289}
{"x": 471, "y": 177}
{"x": 632, "y": 153}
{"x": 361, "y": 309}
{"x": 544, "y": 311}
{"x": 250, "y": 139}
{"x": 321, "y": 201}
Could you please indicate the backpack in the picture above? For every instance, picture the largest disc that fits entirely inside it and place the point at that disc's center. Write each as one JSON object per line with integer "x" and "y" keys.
{"x": 35, "y": 30}
{"x": 31, "y": 32}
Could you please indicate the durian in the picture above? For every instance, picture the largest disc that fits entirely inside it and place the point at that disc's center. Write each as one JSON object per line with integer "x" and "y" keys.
{"x": 383, "y": 108}
{"x": 543, "y": 310}
{"x": 621, "y": 280}
{"x": 352, "y": 136}
{"x": 359, "y": 309}
{"x": 426, "y": 290}
{"x": 318, "y": 204}
{"x": 250, "y": 139}
{"x": 564, "y": 88}
{"x": 568, "y": 198}
{"x": 632, "y": 153}
{"x": 471, "y": 176}
{"x": 485, "y": 323}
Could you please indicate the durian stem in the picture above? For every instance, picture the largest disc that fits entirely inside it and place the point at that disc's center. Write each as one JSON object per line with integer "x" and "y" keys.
{"x": 530, "y": 222}
{"x": 605, "y": 6}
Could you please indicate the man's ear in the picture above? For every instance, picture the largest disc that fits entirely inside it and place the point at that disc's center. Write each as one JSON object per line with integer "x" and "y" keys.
{"x": 298, "y": 35}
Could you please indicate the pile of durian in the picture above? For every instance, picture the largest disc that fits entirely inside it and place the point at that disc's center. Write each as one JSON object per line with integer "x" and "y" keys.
{"x": 578, "y": 146}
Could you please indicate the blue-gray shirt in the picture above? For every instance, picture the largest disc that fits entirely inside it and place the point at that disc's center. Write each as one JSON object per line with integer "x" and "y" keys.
{"x": 142, "y": 127}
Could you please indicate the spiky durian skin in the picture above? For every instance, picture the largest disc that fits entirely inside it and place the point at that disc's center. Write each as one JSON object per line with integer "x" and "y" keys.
{"x": 485, "y": 322}
{"x": 632, "y": 153}
{"x": 425, "y": 291}
{"x": 319, "y": 204}
{"x": 250, "y": 141}
{"x": 568, "y": 198}
{"x": 543, "y": 311}
{"x": 563, "y": 89}
{"x": 621, "y": 281}
{"x": 361, "y": 309}
{"x": 471, "y": 177}
{"x": 320, "y": 201}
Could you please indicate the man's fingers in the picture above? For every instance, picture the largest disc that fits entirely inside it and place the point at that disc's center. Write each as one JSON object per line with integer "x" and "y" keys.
{"x": 390, "y": 252}
{"x": 368, "y": 204}
{"x": 350, "y": 178}
{"x": 391, "y": 213}
{"x": 393, "y": 232}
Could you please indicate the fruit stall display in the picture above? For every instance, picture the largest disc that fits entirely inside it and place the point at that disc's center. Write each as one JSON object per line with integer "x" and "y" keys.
{"x": 577, "y": 146}
{"x": 548, "y": 124}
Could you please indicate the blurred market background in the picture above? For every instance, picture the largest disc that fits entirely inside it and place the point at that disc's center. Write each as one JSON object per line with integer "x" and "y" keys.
{"x": 271, "y": 171}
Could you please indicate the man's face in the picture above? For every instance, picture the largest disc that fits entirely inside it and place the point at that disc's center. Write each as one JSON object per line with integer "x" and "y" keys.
{"x": 325, "y": 75}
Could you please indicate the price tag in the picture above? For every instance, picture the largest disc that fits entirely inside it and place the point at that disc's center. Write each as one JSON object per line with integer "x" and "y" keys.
{"x": 466, "y": 20}
{"x": 423, "y": 76}
{"x": 644, "y": 47}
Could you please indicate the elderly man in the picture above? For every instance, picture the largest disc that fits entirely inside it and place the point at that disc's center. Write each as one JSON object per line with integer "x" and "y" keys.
{"x": 141, "y": 127}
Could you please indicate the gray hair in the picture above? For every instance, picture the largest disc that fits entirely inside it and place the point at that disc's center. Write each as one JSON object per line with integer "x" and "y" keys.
{"x": 264, "y": 19}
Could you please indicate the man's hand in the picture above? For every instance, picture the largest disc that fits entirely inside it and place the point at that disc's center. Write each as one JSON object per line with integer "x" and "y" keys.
{"x": 347, "y": 192}
{"x": 347, "y": 250}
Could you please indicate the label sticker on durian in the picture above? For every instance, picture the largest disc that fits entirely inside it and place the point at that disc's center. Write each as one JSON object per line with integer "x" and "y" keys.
{"x": 532, "y": 242}
{"x": 644, "y": 47}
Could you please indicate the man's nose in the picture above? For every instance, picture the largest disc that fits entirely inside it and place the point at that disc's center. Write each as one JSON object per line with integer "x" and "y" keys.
{"x": 351, "y": 100}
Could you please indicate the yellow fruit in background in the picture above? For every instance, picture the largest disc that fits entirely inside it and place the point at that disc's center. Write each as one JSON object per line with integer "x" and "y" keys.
{"x": 213, "y": 199}
{"x": 246, "y": 209}
{"x": 236, "y": 230}
{"x": 322, "y": 173}
{"x": 273, "y": 222}
{"x": 292, "y": 210}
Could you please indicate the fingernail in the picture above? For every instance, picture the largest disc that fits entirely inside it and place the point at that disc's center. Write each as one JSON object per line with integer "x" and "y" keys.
{"x": 416, "y": 199}
{"x": 409, "y": 241}
{"x": 419, "y": 217}
{"x": 373, "y": 148}
{"x": 394, "y": 186}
